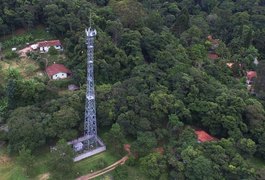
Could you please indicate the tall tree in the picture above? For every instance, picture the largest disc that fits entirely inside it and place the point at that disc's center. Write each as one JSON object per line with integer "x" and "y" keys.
{"x": 61, "y": 161}
{"x": 115, "y": 139}
{"x": 26, "y": 128}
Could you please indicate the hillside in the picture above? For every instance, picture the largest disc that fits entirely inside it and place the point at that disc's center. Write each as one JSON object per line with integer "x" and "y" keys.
{"x": 163, "y": 71}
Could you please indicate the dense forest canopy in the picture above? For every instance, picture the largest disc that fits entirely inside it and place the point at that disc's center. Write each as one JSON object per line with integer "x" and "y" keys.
{"x": 154, "y": 81}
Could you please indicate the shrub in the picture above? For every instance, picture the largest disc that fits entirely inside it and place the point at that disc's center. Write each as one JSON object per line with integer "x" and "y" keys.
{"x": 3, "y": 136}
{"x": 60, "y": 84}
{"x": 11, "y": 55}
{"x": 17, "y": 40}
{"x": 30, "y": 69}
{"x": 13, "y": 73}
{"x": 42, "y": 65}
{"x": 53, "y": 51}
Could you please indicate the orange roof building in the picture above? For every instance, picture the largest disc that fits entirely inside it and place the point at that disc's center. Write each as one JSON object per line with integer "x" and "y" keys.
{"x": 203, "y": 136}
{"x": 251, "y": 75}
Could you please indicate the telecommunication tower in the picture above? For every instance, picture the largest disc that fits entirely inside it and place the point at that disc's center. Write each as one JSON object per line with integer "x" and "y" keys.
{"x": 90, "y": 143}
{"x": 90, "y": 113}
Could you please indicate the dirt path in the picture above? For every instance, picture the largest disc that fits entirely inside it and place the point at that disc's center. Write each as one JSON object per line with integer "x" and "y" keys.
{"x": 44, "y": 176}
{"x": 127, "y": 148}
{"x": 105, "y": 170}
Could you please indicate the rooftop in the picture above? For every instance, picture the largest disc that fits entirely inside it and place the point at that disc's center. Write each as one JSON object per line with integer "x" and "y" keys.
{"x": 203, "y": 136}
{"x": 49, "y": 43}
{"x": 251, "y": 75}
{"x": 56, "y": 68}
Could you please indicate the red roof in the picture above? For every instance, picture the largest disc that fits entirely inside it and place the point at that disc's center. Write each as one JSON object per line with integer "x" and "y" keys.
{"x": 251, "y": 75}
{"x": 203, "y": 136}
{"x": 56, "y": 68}
{"x": 49, "y": 43}
{"x": 213, "y": 56}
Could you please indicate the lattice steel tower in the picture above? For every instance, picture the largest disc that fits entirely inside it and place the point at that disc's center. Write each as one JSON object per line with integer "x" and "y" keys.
{"x": 90, "y": 143}
{"x": 90, "y": 125}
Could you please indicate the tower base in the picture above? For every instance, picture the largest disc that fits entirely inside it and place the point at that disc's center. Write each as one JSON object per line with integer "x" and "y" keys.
{"x": 87, "y": 146}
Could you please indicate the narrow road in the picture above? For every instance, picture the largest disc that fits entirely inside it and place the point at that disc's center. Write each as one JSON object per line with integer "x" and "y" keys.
{"x": 105, "y": 170}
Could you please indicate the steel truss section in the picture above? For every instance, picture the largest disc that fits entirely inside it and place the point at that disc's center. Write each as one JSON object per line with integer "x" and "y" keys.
{"x": 90, "y": 143}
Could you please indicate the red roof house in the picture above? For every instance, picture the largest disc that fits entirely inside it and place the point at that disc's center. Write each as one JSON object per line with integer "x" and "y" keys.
{"x": 57, "y": 71}
{"x": 251, "y": 75}
{"x": 45, "y": 45}
{"x": 203, "y": 136}
{"x": 49, "y": 43}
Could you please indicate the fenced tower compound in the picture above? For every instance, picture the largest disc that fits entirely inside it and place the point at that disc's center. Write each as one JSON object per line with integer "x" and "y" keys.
{"x": 90, "y": 143}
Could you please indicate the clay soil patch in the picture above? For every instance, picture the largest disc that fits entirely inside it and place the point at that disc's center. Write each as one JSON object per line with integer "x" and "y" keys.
{"x": 44, "y": 176}
{"x": 4, "y": 159}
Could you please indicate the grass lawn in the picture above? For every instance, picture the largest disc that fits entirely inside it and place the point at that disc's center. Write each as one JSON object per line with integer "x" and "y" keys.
{"x": 27, "y": 68}
{"x": 11, "y": 170}
{"x": 133, "y": 174}
{"x": 85, "y": 166}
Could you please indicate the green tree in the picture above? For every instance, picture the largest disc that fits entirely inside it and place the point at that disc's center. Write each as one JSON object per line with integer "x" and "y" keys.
{"x": 131, "y": 12}
{"x": 26, "y": 128}
{"x": 61, "y": 162}
{"x": 198, "y": 54}
{"x": 145, "y": 142}
{"x": 200, "y": 168}
{"x": 11, "y": 88}
{"x": 259, "y": 84}
{"x": 192, "y": 36}
{"x": 174, "y": 123}
{"x": 63, "y": 123}
{"x": 247, "y": 146}
{"x": 53, "y": 51}
{"x": 182, "y": 22}
{"x": 261, "y": 145}
{"x": 121, "y": 172}
{"x": 115, "y": 139}
{"x": 153, "y": 165}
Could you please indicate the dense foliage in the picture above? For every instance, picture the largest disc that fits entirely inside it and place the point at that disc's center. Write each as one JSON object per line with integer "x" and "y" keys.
{"x": 154, "y": 81}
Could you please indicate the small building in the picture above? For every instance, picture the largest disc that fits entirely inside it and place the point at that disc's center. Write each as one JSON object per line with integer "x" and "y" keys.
{"x": 58, "y": 71}
{"x": 214, "y": 42}
{"x": 251, "y": 75}
{"x": 203, "y": 136}
{"x": 73, "y": 87}
{"x": 44, "y": 46}
{"x": 34, "y": 46}
{"x": 78, "y": 146}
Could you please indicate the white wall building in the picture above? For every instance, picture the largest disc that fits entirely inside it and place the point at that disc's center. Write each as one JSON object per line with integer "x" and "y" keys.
{"x": 45, "y": 45}
{"x": 58, "y": 71}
